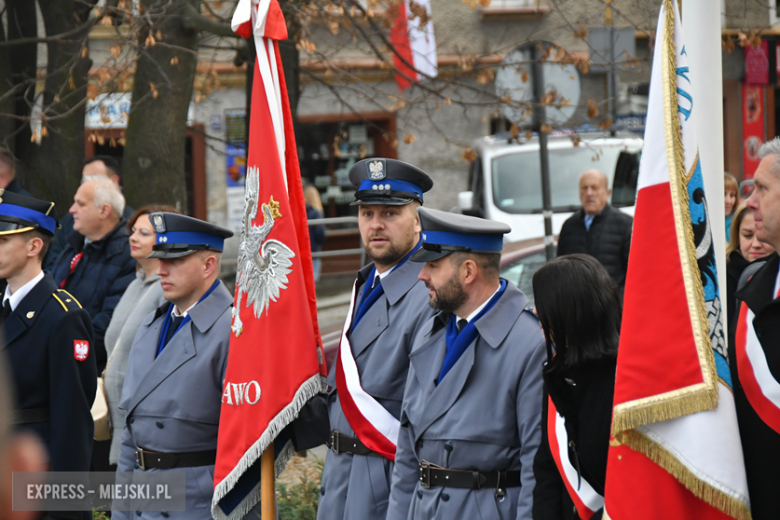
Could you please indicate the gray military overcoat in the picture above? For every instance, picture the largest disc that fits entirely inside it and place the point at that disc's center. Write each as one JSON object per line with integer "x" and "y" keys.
{"x": 485, "y": 415}
{"x": 172, "y": 403}
{"x": 357, "y": 487}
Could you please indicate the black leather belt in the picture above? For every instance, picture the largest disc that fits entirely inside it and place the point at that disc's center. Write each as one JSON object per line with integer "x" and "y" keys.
{"x": 32, "y": 415}
{"x": 340, "y": 443}
{"x": 155, "y": 460}
{"x": 431, "y": 475}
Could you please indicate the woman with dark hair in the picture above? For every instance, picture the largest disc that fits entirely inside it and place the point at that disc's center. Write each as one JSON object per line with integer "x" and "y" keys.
{"x": 143, "y": 296}
{"x": 579, "y": 309}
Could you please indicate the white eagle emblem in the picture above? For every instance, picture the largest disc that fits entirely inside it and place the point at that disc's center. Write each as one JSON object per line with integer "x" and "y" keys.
{"x": 80, "y": 349}
{"x": 263, "y": 265}
{"x": 376, "y": 171}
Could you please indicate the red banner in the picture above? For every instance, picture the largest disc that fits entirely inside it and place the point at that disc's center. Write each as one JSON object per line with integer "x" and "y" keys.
{"x": 757, "y": 64}
{"x": 276, "y": 363}
{"x": 753, "y": 134}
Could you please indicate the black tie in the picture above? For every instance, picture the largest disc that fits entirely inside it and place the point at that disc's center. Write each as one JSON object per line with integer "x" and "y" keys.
{"x": 6, "y": 312}
{"x": 461, "y": 324}
{"x": 173, "y": 327}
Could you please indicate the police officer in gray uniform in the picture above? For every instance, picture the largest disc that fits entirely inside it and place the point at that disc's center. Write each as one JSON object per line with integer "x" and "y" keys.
{"x": 470, "y": 421}
{"x": 173, "y": 388}
{"x": 367, "y": 380}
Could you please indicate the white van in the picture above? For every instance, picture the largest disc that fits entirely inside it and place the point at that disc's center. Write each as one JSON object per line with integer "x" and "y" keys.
{"x": 506, "y": 185}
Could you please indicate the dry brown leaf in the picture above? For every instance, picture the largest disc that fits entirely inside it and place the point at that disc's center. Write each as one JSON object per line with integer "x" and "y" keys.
{"x": 106, "y": 21}
{"x": 575, "y": 140}
{"x": 92, "y": 91}
{"x": 334, "y": 27}
{"x": 469, "y": 155}
{"x": 514, "y": 131}
{"x": 485, "y": 76}
{"x": 593, "y": 108}
{"x": 484, "y": 3}
{"x": 150, "y": 41}
{"x": 524, "y": 76}
{"x": 175, "y": 60}
{"x": 447, "y": 101}
{"x": 546, "y": 129}
{"x": 85, "y": 52}
{"x": 44, "y": 131}
{"x": 116, "y": 50}
{"x": 153, "y": 88}
{"x": 159, "y": 35}
{"x": 582, "y": 32}
{"x": 606, "y": 124}
{"x": 529, "y": 134}
{"x": 409, "y": 138}
{"x": 728, "y": 44}
{"x": 471, "y": 3}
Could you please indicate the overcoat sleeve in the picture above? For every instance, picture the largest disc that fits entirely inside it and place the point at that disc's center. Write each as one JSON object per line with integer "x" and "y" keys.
{"x": 405, "y": 473}
{"x": 529, "y": 418}
{"x": 72, "y": 387}
{"x": 549, "y": 485}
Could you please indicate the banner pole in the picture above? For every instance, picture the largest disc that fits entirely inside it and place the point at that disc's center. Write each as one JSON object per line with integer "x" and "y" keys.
{"x": 268, "y": 494}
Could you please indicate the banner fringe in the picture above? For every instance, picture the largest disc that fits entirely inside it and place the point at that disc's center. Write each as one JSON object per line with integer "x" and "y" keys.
{"x": 308, "y": 389}
{"x": 714, "y": 497}
{"x": 624, "y": 420}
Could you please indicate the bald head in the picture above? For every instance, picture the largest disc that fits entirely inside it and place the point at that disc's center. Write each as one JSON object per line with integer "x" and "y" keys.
{"x": 594, "y": 191}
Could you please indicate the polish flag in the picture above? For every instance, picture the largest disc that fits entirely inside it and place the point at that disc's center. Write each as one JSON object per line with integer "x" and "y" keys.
{"x": 676, "y": 451}
{"x": 415, "y": 45}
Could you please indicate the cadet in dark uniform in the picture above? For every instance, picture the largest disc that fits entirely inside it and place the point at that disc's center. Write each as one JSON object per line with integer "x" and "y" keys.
{"x": 173, "y": 389}
{"x": 471, "y": 415}
{"x": 389, "y": 304}
{"x": 48, "y": 340}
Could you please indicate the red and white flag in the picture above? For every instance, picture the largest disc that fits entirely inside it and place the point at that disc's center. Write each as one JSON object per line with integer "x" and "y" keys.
{"x": 276, "y": 363}
{"x": 676, "y": 451}
{"x": 414, "y": 42}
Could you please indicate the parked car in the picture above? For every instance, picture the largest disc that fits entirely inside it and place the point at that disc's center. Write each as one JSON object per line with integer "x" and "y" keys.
{"x": 505, "y": 179}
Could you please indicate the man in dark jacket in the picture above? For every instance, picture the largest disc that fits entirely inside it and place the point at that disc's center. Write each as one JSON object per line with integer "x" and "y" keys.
{"x": 103, "y": 165}
{"x": 754, "y": 355}
{"x": 95, "y": 265}
{"x": 598, "y": 229}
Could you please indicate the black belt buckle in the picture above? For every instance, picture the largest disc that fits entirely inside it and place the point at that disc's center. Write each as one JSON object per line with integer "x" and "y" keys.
{"x": 139, "y": 458}
{"x": 425, "y": 474}
{"x": 334, "y": 441}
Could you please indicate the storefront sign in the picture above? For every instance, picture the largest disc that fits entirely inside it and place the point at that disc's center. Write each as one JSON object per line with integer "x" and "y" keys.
{"x": 235, "y": 156}
{"x": 113, "y": 110}
{"x": 753, "y": 135}
{"x": 757, "y": 64}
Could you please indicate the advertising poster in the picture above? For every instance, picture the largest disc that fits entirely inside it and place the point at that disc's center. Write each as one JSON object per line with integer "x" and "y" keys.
{"x": 752, "y": 127}
{"x": 235, "y": 167}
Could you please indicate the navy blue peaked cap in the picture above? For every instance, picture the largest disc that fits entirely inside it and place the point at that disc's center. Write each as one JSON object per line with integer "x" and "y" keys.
{"x": 388, "y": 181}
{"x": 19, "y": 214}
{"x": 444, "y": 233}
{"x": 180, "y": 235}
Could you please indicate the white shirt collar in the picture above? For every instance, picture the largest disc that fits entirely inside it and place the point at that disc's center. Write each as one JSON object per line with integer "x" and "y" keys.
{"x": 479, "y": 309}
{"x": 175, "y": 313}
{"x": 21, "y": 292}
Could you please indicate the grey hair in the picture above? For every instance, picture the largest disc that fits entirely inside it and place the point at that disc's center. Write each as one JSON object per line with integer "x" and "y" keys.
{"x": 771, "y": 148}
{"x": 107, "y": 192}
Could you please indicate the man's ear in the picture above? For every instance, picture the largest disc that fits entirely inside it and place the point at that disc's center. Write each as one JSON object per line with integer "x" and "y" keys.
{"x": 34, "y": 246}
{"x": 469, "y": 270}
{"x": 105, "y": 211}
{"x": 210, "y": 265}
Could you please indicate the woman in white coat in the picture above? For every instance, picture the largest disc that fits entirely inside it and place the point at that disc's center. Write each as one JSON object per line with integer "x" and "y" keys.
{"x": 142, "y": 297}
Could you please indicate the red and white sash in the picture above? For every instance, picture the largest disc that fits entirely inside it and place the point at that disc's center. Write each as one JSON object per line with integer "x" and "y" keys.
{"x": 760, "y": 386}
{"x": 371, "y": 422}
{"x": 585, "y": 498}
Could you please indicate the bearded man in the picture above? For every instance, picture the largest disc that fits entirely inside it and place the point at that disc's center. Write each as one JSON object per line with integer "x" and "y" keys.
{"x": 471, "y": 416}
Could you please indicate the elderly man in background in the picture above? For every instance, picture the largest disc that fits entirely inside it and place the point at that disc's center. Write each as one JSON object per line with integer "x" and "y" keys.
{"x": 598, "y": 229}
{"x": 754, "y": 357}
{"x": 95, "y": 266}
{"x": 102, "y": 165}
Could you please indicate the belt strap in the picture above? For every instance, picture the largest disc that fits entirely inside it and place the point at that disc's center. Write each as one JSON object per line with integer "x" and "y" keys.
{"x": 340, "y": 443}
{"x": 431, "y": 475}
{"x": 156, "y": 460}
{"x": 31, "y": 415}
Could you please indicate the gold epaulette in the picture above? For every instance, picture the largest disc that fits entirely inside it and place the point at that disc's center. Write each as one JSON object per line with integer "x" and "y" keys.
{"x": 68, "y": 302}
